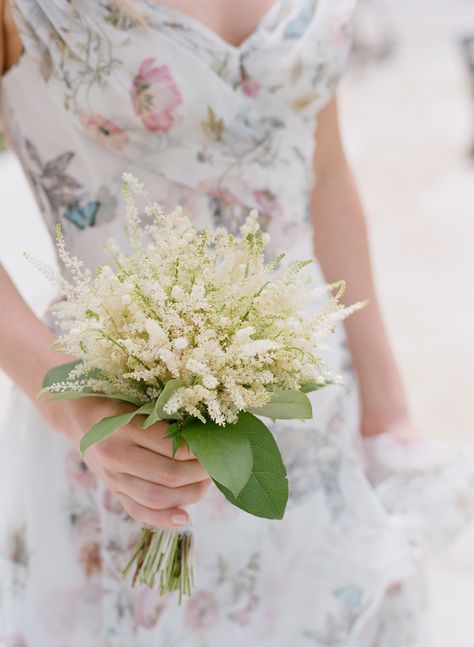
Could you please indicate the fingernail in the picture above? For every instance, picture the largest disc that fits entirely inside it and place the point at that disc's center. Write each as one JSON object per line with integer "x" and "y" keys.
{"x": 179, "y": 519}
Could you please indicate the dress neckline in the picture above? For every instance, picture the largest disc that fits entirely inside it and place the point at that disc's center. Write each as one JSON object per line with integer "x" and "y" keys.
{"x": 198, "y": 25}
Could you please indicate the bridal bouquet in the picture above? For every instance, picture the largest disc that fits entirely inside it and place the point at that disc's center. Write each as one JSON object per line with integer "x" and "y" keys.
{"x": 194, "y": 327}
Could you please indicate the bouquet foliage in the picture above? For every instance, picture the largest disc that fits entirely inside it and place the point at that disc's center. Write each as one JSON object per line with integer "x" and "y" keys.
{"x": 195, "y": 327}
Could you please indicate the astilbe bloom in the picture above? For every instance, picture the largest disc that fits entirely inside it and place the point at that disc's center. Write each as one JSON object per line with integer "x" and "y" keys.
{"x": 200, "y": 306}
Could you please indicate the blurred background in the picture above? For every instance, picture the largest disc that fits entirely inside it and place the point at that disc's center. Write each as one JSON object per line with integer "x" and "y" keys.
{"x": 407, "y": 108}
{"x": 407, "y": 111}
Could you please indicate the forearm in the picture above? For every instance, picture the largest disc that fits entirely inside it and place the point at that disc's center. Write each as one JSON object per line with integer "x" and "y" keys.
{"x": 25, "y": 353}
{"x": 341, "y": 246}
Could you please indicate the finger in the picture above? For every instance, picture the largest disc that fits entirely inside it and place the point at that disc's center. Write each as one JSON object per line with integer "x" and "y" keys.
{"x": 158, "y": 497}
{"x": 154, "y": 438}
{"x": 156, "y": 468}
{"x": 171, "y": 518}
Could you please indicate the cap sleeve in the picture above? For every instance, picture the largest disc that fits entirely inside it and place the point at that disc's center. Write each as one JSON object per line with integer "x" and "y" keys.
{"x": 320, "y": 32}
{"x": 337, "y": 17}
{"x": 64, "y": 38}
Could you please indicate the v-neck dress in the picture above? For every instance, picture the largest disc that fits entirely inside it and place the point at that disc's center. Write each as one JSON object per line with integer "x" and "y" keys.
{"x": 105, "y": 87}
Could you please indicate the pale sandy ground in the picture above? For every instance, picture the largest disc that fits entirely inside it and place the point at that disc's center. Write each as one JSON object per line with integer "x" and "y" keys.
{"x": 408, "y": 125}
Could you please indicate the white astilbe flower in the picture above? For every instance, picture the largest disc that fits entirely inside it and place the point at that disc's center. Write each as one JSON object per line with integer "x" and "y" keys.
{"x": 202, "y": 307}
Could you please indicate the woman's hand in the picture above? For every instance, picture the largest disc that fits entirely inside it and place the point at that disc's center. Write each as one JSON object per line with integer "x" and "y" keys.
{"x": 400, "y": 426}
{"x": 135, "y": 464}
{"x": 399, "y": 449}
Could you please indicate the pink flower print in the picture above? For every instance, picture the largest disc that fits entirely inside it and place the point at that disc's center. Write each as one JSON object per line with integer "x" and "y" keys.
{"x": 201, "y": 611}
{"x": 112, "y": 504}
{"x": 267, "y": 203}
{"x": 149, "y": 607}
{"x": 394, "y": 588}
{"x": 234, "y": 192}
{"x": 188, "y": 198}
{"x": 211, "y": 188}
{"x": 251, "y": 88}
{"x": 90, "y": 558}
{"x": 85, "y": 526}
{"x": 78, "y": 472}
{"x": 220, "y": 508}
{"x": 62, "y": 609}
{"x": 15, "y": 640}
{"x": 104, "y": 130}
{"x": 59, "y": 611}
{"x": 280, "y": 224}
{"x": 155, "y": 96}
{"x": 244, "y": 616}
{"x": 340, "y": 28}
{"x": 86, "y": 541}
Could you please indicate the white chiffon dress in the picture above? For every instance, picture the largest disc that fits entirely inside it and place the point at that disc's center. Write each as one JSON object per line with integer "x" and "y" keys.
{"x": 105, "y": 87}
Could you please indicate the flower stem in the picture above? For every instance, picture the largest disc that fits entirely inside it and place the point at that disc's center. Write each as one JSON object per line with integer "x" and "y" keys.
{"x": 164, "y": 556}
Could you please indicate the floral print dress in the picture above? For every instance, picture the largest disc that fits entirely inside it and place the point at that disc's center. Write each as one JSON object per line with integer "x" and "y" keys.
{"x": 102, "y": 89}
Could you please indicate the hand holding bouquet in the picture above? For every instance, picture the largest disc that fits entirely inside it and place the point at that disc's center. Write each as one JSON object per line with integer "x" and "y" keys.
{"x": 195, "y": 328}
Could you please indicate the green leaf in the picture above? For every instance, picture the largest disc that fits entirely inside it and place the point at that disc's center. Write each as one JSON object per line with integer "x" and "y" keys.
{"x": 177, "y": 440}
{"x": 170, "y": 387}
{"x": 266, "y": 492}
{"x": 307, "y": 387}
{"x": 88, "y": 393}
{"x": 59, "y": 373}
{"x": 158, "y": 412}
{"x": 106, "y": 427}
{"x": 146, "y": 408}
{"x": 223, "y": 451}
{"x": 174, "y": 432}
{"x": 150, "y": 419}
{"x": 286, "y": 405}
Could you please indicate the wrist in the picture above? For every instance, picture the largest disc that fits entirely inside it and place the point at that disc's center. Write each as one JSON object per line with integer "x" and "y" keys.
{"x": 377, "y": 422}
{"x": 382, "y": 394}
{"x": 383, "y": 402}
{"x": 62, "y": 416}
{"x": 384, "y": 406}
{"x": 74, "y": 418}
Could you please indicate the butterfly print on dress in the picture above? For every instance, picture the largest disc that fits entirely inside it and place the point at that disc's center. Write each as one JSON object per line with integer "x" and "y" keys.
{"x": 62, "y": 194}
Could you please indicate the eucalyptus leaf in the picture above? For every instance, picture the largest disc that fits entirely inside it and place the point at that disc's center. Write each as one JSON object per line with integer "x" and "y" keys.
{"x": 266, "y": 492}
{"x": 224, "y": 452}
{"x": 106, "y": 427}
{"x": 286, "y": 405}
